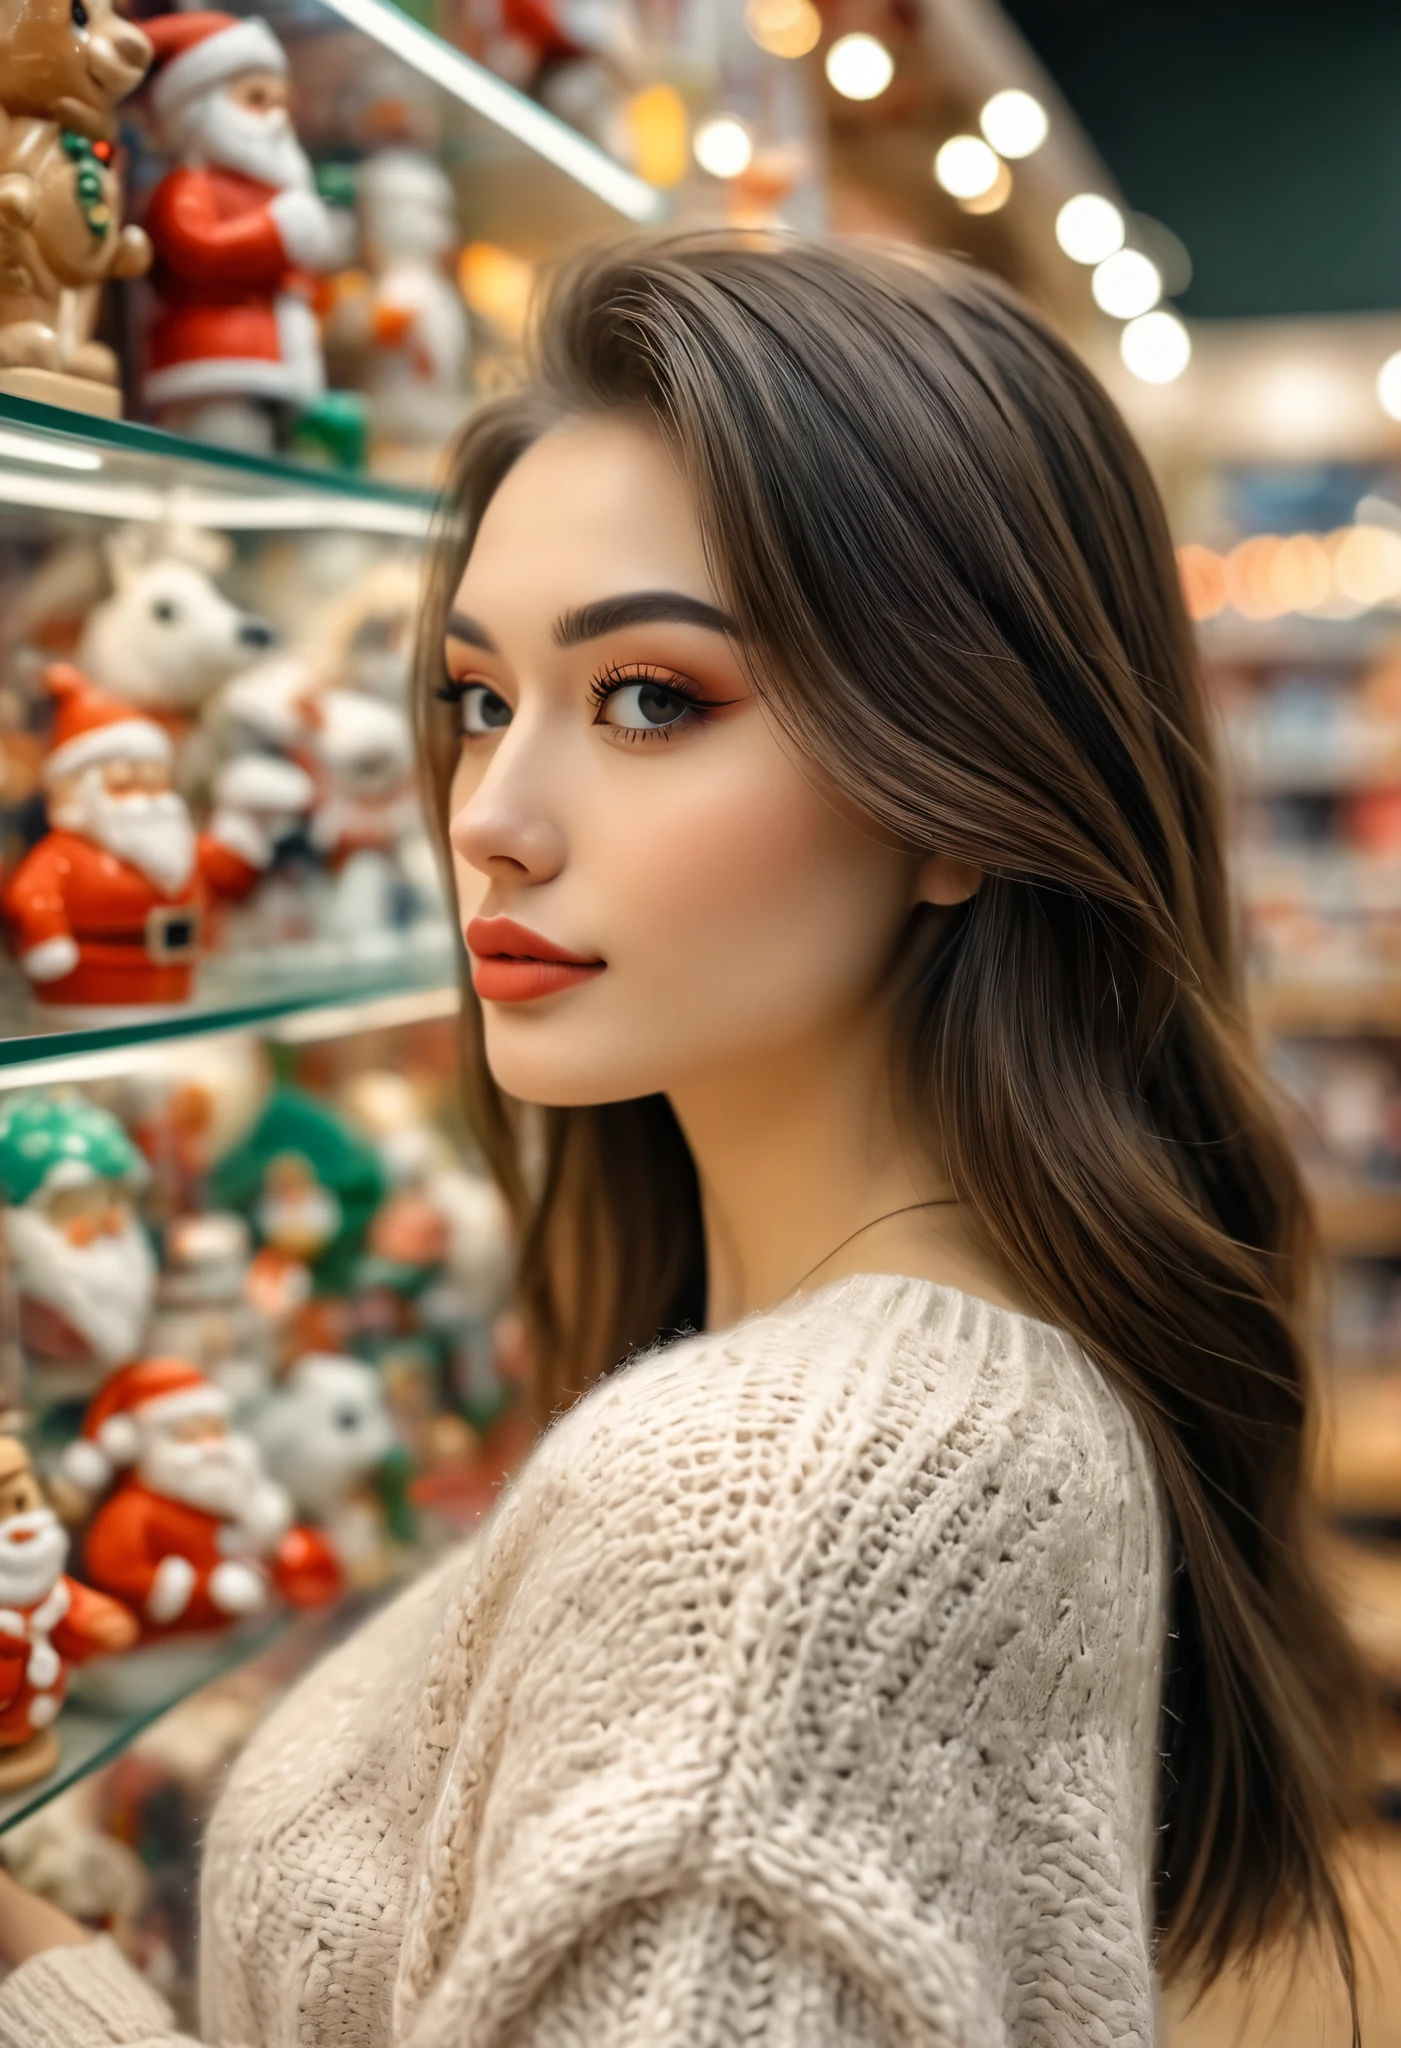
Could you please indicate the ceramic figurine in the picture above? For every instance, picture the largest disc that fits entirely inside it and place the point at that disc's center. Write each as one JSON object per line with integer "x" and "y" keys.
{"x": 240, "y": 235}
{"x": 194, "y": 1534}
{"x": 325, "y": 1433}
{"x": 310, "y": 1187}
{"x": 48, "y": 1622}
{"x": 106, "y": 910}
{"x": 165, "y": 637}
{"x": 367, "y": 824}
{"x": 64, "y": 65}
{"x": 80, "y": 1261}
{"x": 409, "y": 326}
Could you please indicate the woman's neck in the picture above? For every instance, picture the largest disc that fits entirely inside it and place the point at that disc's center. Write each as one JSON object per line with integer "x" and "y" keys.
{"x": 806, "y": 1176}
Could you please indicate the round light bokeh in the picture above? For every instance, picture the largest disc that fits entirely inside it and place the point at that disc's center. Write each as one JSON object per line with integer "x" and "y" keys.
{"x": 1089, "y": 228}
{"x": 966, "y": 167}
{"x": 724, "y": 147}
{"x": 1126, "y": 284}
{"x": 1014, "y": 122}
{"x": 1156, "y": 347}
{"x": 859, "y": 67}
{"x": 1389, "y": 386}
{"x": 785, "y": 28}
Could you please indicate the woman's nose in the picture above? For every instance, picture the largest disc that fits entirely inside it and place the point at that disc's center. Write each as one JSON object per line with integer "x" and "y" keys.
{"x": 499, "y": 830}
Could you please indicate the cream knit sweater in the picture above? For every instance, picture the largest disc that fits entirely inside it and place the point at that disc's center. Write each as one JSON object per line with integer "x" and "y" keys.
{"x": 802, "y": 1691}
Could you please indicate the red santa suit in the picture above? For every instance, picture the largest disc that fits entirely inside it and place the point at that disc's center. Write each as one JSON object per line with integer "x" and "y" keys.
{"x": 37, "y": 1645}
{"x": 122, "y": 937}
{"x": 140, "y": 1540}
{"x": 235, "y": 257}
{"x": 183, "y": 1568}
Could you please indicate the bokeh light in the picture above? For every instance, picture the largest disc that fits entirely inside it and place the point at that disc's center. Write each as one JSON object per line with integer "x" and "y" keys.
{"x": 1014, "y": 122}
{"x": 724, "y": 147}
{"x": 1126, "y": 284}
{"x": 966, "y": 167}
{"x": 1089, "y": 228}
{"x": 785, "y": 28}
{"x": 1156, "y": 347}
{"x": 859, "y": 67}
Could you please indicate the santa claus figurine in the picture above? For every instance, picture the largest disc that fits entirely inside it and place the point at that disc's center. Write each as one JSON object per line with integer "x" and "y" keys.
{"x": 48, "y": 1622}
{"x": 240, "y": 235}
{"x": 194, "y": 1535}
{"x": 107, "y": 909}
{"x": 82, "y": 1265}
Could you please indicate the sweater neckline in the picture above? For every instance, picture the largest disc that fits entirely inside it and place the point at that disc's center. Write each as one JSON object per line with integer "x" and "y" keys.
{"x": 932, "y": 1300}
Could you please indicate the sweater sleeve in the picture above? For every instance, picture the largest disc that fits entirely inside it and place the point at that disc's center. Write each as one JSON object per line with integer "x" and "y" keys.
{"x": 84, "y": 1997}
{"x": 701, "y": 1969}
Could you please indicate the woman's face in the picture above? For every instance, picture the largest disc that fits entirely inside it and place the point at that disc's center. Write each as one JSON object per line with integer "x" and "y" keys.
{"x": 654, "y": 888}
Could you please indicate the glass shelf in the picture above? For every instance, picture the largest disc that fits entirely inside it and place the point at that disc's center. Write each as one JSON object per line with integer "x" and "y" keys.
{"x": 92, "y": 1738}
{"x": 77, "y": 466}
{"x": 301, "y": 993}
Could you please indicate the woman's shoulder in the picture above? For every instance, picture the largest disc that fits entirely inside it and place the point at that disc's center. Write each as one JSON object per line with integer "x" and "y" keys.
{"x": 836, "y": 1384}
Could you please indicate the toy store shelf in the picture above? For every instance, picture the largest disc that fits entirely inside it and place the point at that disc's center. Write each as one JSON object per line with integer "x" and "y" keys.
{"x": 1295, "y": 641}
{"x": 524, "y": 177}
{"x": 1359, "y": 1222}
{"x": 301, "y": 998}
{"x": 1329, "y": 1008}
{"x": 76, "y": 466}
{"x": 92, "y": 1738}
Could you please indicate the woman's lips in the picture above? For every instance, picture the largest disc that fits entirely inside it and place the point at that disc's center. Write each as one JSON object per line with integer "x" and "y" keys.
{"x": 514, "y": 965}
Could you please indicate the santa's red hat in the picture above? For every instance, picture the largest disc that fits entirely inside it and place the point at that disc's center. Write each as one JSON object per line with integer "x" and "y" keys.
{"x": 196, "y": 51}
{"x": 154, "y": 1390}
{"x": 91, "y": 726}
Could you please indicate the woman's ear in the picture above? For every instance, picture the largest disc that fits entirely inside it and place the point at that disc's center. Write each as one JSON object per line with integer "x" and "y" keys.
{"x": 945, "y": 881}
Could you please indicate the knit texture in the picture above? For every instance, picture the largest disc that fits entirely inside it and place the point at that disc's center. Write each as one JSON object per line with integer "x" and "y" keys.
{"x": 802, "y": 1691}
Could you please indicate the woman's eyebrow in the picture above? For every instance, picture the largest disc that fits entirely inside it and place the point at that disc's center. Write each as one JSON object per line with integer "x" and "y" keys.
{"x": 640, "y": 608}
{"x": 460, "y": 627}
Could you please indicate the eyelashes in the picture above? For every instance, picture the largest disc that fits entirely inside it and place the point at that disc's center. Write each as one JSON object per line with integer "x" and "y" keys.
{"x": 636, "y": 702}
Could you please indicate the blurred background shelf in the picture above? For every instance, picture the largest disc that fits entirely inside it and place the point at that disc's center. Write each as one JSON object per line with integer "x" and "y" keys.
{"x": 1321, "y": 1008}
{"x": 92, "y": 1738}
{"x": 1359, "y": 1222}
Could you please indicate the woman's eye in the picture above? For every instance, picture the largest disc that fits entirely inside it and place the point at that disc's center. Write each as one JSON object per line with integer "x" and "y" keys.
{"x": 644, "y": 707}
{"x": 482, "y": 710}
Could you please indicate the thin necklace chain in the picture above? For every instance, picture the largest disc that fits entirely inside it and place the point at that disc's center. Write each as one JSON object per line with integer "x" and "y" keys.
{"x": 941, "y": 1202}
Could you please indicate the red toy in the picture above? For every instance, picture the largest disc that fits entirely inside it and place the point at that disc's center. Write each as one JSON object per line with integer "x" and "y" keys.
{"x": 47, "y": 1622}
{"x": 107, "y": 908}
{"x": 195, "y": 1535}
{"x": 238, "y": 229}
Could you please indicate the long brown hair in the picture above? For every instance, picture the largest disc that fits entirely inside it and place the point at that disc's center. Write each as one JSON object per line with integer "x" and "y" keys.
{"x": 953, "y": 572}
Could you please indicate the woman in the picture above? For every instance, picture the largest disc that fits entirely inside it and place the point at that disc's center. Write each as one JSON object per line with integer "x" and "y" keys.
{"x": 913, "y": 1656}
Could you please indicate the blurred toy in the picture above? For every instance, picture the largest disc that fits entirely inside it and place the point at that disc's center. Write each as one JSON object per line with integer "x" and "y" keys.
{"x": 82, "y": 1266}
{"x": 107, "y": 909}
{"x": 324, "y": 1432}
{"x": 309, "y": 1186}
{"x": 47, "y": 1622}
{"x": 195, "y": 1534}
{"x": 166, "y": 637}
{"x": 240, "y": 234}
{"x": 368, "y": 821}
{"x": 407, "y": 324}
{"x": 203, "y": 1311}
{"x": 62, "y": 1854}
{"x": 63, "y": 68}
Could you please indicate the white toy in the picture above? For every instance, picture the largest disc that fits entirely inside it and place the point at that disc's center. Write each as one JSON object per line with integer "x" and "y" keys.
{"x": 322, "y": 1433}
{"x": 167, "y": 637}
{"x": 416, "y": 331}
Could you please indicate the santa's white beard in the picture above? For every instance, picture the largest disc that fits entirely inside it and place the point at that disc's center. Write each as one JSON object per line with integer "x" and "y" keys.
{"x": 33, "y": 1551}
{"x": 225, "y": 1476}
{"x": 214, "y": 129}
{"x": 302, "y": 1224}
{"x": 103, "y": 1289}
{"x": 154, "y": 833}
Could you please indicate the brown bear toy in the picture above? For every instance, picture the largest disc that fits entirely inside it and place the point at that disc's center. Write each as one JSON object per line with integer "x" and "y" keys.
{"x": 64, "y": 65}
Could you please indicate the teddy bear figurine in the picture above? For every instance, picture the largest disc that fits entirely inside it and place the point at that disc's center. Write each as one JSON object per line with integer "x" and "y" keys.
{"x": 64, "y": 65}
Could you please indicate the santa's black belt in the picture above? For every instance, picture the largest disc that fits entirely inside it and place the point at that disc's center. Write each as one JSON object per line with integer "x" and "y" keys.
{"x": 171, "y": 933}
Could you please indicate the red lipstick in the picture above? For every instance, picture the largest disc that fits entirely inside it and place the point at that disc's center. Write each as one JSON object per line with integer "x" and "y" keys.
{"x": 514, "y": 965}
